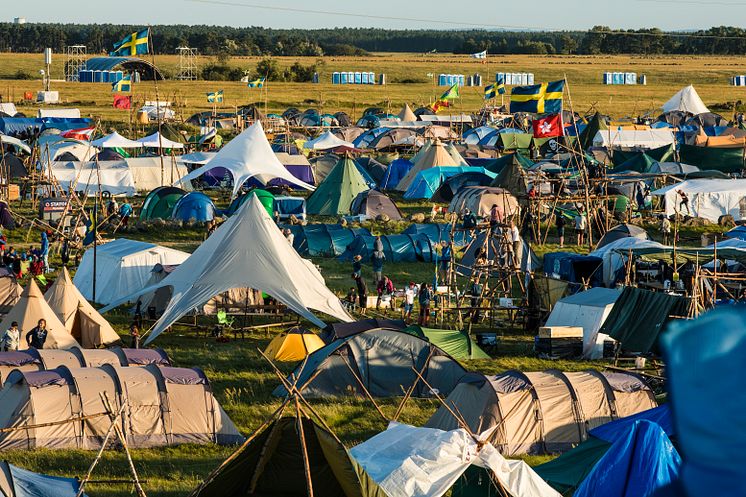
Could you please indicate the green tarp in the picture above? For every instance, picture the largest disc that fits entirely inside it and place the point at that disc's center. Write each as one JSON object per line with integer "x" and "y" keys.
{"x": 499, "y": 164}
{"x": 727, "y": 160}
{"x": 335, "y": 194}
{"x": 515, "y": 141}
{"x": 660, "y": 154}
{"x": 596, "y": 124}
{"x": 638, "y": 317}
{"x": 456, "y": 344}
{"x": 566, "y": 472}
{"x": 640, "y": 163}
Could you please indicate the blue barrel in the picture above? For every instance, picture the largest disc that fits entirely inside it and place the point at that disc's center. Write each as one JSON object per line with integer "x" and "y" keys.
{"x": 335, "y": 78}
{"x": 358, "y": 78}
{"x": 343, "y": 78}
{"x": 97, "y": 76}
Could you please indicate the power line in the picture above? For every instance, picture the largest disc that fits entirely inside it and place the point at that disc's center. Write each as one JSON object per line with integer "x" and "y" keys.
{"x": 611, "y": 32}
{"x": 697, "y": 3}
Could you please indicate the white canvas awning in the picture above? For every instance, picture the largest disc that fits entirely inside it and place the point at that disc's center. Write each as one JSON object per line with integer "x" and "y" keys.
{"x": 110, "y": 176}
{"x": 708, "y": 198}
{"x": 249, "y": 155}
{"x": 156, "y": 140}
{"x": 327, "y": 141}
{"x": 633, "y": 138}
{"x": 115, "y": 140}
{"x": 64, "y": 113}
{"x": 19, "y": 144}
{"x": 406, "y": 461}
{"x": 687, "y": 100}
{"x": 247, "y": 251}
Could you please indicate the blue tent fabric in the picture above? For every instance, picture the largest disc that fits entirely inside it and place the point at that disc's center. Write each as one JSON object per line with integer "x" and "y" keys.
{"x": 194, "y": 206}
{"x": 437, "y": 232}
{"x": 397, "y": 248}
{"x": 637, "y": 465}
{"x": 429, "y": 180}
{"x": 572, "y": 267}
{"x": 14, "y": 125}
{"x": 737, "y": 232}
{"x": 323, "y": 240}
{"x": 705, "y": 360}
{"x": 614, "y": 430}
{"x": 394, "y": 173}
{"x": 29, "y": 484}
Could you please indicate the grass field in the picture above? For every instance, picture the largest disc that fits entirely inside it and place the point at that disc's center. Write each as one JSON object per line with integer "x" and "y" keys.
{"x": 666, "y": 75}
{"x": 241, "y": 380}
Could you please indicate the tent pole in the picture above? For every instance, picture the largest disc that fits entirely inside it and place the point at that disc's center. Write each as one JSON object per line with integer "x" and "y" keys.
{"x": 87, "y": 478}
{"x": 304, "y": 451}
{"x": 123, "y": 441}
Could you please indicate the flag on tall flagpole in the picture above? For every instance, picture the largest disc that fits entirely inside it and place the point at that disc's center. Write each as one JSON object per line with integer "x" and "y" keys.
{"x": 479, "y": 55}
{"x": 490, "y": 91}
{"x": 215, "y": 97}
{"x": 134, "y": 44}
{"x": 544, "y": 98}
{"x": 445, "y": 99}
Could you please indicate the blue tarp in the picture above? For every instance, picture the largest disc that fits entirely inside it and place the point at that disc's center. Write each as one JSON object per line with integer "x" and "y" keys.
{"x": 30, "y": 484}
{"x": 398, "y": 248}
{"x": 15, "y": 125}
{"x": 394, "y": 174}
{"x": 323, "y": 240}
{"x": 706, "y": 360}
{"x": 429, "y": 180}
{"x": 636, "y": 465}
{"x": 613, "y": 430}
{"x": 737, "y": 232}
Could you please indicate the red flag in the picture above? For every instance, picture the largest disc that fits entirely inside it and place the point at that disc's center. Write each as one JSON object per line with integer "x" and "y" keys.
{"x": 122, "y": 101}
{"x": 548, "y": 126}
{"x": 79, "y": 133}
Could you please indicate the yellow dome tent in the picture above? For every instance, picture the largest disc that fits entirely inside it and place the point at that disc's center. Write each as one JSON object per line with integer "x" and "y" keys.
{"x": 293, "y": 345}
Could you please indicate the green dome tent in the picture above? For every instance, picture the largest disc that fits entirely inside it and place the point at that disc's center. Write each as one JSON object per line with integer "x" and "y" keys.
{"x": 335, "y": 194}
{"x": 160, "y": 202}
{"x": 265, "y": 197}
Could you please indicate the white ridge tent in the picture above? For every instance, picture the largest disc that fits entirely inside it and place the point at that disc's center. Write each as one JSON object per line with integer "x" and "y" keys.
{"x": 114, "y": 177}
{"x": 246, "y": 251}
{"x": 249, "y": 155}
{"x": 80, "y": 318}
{"x": 406, "y": 461}
{"x": 633, "y": 138}
{"x": 115, "y": 140}
{"x": 708, "y": 198}
{"x": 123, "y": 267}
{"x": 29, "y": 310}
{"x": 327, "y": 141}
{"x": 587, "y": 310}
{"x": 687, "y": 99}
{"x": 159, "y": 141}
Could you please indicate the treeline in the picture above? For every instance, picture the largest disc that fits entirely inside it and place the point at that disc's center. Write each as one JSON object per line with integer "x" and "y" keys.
{"x": 212, "y": 40}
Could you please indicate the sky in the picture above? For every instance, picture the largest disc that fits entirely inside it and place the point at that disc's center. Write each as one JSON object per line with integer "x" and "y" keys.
{"x": 398, "y": 14}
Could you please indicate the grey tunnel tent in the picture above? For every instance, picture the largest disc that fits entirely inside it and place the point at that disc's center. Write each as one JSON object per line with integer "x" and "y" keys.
{"x": 382, "y": 359}
{"x": 62, "y": 408}
{"x": 542, "y": 412}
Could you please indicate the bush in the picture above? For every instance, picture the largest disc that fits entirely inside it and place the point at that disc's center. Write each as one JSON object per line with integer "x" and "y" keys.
{"x": 344, "y": 49}
{"x": 21, "y": 74}
{"x": 268, "y": 68}
{"x": 221, "y": 72}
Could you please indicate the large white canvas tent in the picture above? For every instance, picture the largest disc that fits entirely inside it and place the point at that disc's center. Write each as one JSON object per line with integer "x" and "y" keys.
{"x": 157, "y": 140}
{"x": 64, "y": 150}
{"x": 123, "y": 267}
{"x": 29, "y": 310}
{"x": 633, "y": 138}
{"x": 113, "y": 177}
{"x": 165, "y": 406}
{"x": 327, "y": 141}
{"x": 19, "y": 144}
{"x": 541, "y": 412}
{"x": 687, "y": 100}
{"x": 708, "y": 198}
{"x": 587, "y": 310}
{"x": 148, "y": 173}
{"x": 406, "y": 461}
{"x": 80, "y": 318}
{"x": 115, "y": 140}
{"x": 64, "y": 113}
{"x": 249, "y": 155}
{"x": 247, "y": 251}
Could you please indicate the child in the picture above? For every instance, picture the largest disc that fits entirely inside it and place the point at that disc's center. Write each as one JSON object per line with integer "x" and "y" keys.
{"x": 11, "y": 337}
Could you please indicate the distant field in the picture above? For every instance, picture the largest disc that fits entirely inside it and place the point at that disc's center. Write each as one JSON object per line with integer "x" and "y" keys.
{"x": 666, "y": 74}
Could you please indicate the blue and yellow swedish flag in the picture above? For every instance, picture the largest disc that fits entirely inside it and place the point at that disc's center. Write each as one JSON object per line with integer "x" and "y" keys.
{"x": 215, "y": 97}
{"x": 490, "y": 91}
{"x": 134, "y": 44}
{"x": 544, "y": 98}
{"x": 123, "y": 85}
{"x": 257, "y": 83}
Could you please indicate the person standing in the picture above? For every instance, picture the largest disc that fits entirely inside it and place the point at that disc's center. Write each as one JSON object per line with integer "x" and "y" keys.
{"x": 134, "y": 336}
{"x": 409, "y": 294}
{"x": 445, "y": 262}
{"x": 37, "y": 337}
{"x": 665, "y": 228}
{"x": 125, "y": 211}
{"x": 376, "y": 260}
{"x": 424, "y": 298}
{"x": 289, "y": 236}
{"x": 44, "y": 251}
{"x": 362, "y": 292}
{"x": 559, "y": 222}
{"x": 494, "y": 216}
{"x": 517, "y": 245}
{"x": 683, "y": 201}
{"x": 580, "y": 226}
{"x": 470, "y": 224}
{"x": 357, "y": 266}
{"x": 11, "y": 338}
{"x": 476, "y": 298}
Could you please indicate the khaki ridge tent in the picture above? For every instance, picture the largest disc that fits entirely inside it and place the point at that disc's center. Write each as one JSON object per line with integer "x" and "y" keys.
{"x": 542, "y": 412}
{"x": 271, "y": 463}
{"x": 248, "y": 250}
{"x": 436, "y": 155}
{"x": 165, "y": 406}
{"x": 480, "y": 199}
{"x": 40, "y": 360}
{"x": 29, "y": 310}
{"x": 293, "y": 345}
{"x": 10, "y": 290}
{"x": 80, "y": 318}
{"x": 380, "y": 359}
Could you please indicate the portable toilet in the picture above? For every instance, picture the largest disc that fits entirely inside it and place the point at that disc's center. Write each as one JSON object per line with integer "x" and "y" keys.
{"x": 335, "y": 78}
{"x": 607, "y": 78}
{"x": 343, "y": 78}
{"x": 382, "y": 79}
{"x": 631, "y": 78}
{"x": 371, "y": 78}
{"x": 85, "y": 76}
{"x": 477, "y": 80}
{"x": 619, "y": 78}
{"x": 350, "y": 77}
{"x": 517, "y": 78}
{"x": 530, "y": 78}
{"x": 364, "y": 78}
{"x": 643, "y": 79}
{"x": 358, "y": 78}
{"x": 97, "y": 76}
{"x": 461, "y": 80}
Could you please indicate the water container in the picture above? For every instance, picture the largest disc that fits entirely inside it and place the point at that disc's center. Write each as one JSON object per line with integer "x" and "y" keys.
{"x": 442, "y": 80}
{"x": 343, "y": 78}
{"x": 358, "y": 78}
{"x": 97, "y": 77}
{"x": 335, "y": 78}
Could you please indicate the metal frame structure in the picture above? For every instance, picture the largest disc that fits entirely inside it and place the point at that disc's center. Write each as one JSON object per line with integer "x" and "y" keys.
{"x": 75, "y": 57}
{"x": 187, "y": 64}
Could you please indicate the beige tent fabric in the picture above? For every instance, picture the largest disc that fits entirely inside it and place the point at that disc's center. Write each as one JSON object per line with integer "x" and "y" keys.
{"x": 542, "y": 412}
{"x": 480, "y": 199}
{"x": 165, "y": 406}
{"x": 436, "y": 155}
{"x": 406, "y": 114}
{"x": 70, "y": 358}
{"x": 10, "y": 292}
{"x": 94, "y": 358}
{"x": 80, "y": 318}
{"x": 29, "y": 310}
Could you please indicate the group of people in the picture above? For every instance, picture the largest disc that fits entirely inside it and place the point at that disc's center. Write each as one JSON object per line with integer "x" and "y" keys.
{"x": 36, "y": 338}
{"x": 124, "y": 211}
{"x": 34, "y": 261}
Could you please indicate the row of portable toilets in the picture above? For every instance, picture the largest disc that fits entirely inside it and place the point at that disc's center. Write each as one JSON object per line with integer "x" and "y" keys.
{"x": 87, "y": 76}
{"x": 515, "y": 78}
{"x": 354, "y": 78}
{"x": 624, "y": 78}
{"x": 451, "y": 79}
{"x": 738, "y": 80}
